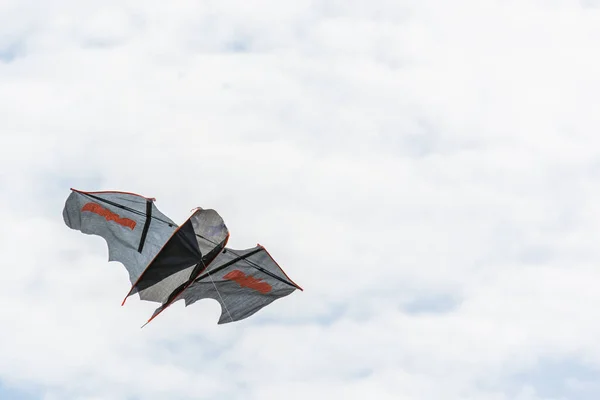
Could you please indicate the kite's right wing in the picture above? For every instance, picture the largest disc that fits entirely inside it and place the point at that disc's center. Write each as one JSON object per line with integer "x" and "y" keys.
{"x": 242, "y": 281}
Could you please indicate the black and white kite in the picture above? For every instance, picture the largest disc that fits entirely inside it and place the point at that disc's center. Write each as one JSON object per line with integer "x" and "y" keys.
{"x": 167, "y": 262}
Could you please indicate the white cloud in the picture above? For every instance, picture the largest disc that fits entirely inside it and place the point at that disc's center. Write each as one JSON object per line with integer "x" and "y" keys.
{"x": 427, "y": 171}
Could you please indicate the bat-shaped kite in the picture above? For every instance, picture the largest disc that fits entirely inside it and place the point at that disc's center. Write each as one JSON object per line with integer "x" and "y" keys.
{"x": 167, "y": 262}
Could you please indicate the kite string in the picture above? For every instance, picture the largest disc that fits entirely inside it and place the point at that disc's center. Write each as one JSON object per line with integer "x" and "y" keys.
{"x": 222, "y": 301}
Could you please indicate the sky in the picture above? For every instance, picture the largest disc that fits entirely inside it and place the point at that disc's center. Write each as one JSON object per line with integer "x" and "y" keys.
{"x": 428, "y": 171}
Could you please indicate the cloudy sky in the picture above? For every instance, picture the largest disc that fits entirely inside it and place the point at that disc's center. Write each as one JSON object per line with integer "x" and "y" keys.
{"x": 427, "y": 170}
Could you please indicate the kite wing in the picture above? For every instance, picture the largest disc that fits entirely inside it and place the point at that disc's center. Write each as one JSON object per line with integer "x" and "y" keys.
{"x": 242, "y": 281}
{"x": 134, "y": 229}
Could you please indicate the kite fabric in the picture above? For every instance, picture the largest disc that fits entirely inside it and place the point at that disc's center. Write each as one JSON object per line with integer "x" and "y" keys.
{"x": 167, "y": 262}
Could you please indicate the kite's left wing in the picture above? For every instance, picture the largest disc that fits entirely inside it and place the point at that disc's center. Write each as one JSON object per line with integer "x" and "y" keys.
{"x": 134, "y": 229}
{"x": 242, "y": 281}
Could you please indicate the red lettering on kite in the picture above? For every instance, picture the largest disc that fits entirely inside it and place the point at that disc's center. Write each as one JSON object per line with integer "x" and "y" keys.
{"x": 248, "y": 281}
{"x": 109, "y": 215}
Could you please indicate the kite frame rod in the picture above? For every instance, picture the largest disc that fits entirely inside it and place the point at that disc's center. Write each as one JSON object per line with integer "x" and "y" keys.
{"x": 240, "y": 257}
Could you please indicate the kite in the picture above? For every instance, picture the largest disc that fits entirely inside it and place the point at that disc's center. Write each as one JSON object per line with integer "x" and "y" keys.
{"x": 167, "y": 262}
